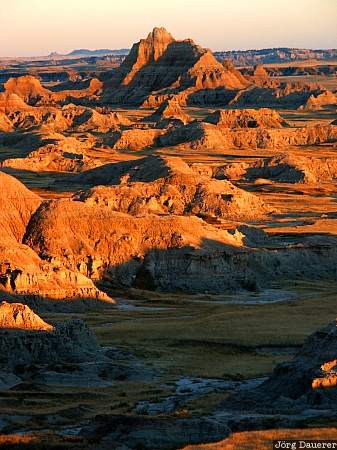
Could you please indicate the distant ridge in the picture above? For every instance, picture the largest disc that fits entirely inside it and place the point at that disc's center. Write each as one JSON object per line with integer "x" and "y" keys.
{"x": 86, "y": 52}
{"x": 276, "y": 55}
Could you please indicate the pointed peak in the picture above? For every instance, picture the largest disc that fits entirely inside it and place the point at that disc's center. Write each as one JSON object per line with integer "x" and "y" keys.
{"x": 159, "y": 33}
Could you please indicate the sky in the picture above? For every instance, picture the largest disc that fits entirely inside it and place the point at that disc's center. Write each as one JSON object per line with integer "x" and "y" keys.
{"x": 38, "y": 27}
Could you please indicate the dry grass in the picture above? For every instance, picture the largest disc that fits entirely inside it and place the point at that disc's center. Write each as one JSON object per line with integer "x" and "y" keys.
{"x": 263, "y": 440}
{"x": 41, "y": 441}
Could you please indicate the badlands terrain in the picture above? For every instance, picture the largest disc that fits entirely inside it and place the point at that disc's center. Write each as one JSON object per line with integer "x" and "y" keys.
{"x": 168, "y": 248}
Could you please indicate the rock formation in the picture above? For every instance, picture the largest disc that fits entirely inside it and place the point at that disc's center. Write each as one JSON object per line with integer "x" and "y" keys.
{"x": 156, "y": 252}
{"x": 308, "y": 382}
{"x": 135, "y": 139}
{"x": 205, "y": 136}
{"x": 16, "y": 315}
{"x": 260, "y": 73}
{"x": 160, "y": 63}
{"x": 293, "y": 169}
{"x": 52, "y": 158}
{"x": 144, "y": 169}
{"x": 28, "y": 88}
{"x": 169, "y": 110}
{"x": 246, "y": 118}
{"x": 317, "y": 102}
{"x": 153, "y": 432}
{"x": 23, "y": 273}
{"x": 180, "y": 192}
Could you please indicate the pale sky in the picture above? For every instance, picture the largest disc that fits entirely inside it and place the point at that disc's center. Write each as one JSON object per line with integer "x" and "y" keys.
{"x": 38, "y": 27}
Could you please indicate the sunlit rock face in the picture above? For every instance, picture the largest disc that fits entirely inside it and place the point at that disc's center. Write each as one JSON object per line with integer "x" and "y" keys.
{"x": 160, "y": 62}
{"x": 21, "y": 317}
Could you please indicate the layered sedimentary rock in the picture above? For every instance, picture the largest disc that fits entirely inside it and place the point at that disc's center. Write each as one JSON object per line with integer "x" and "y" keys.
{"x": 17, "y": 204}
{"x": 315, "y": 103}
{"x": 22, "y": 271}
{"x": 271, "y": 93}
{"x": 30, "y": 90}
{"x": 18, "y": 316}
{"x": 159, "y": 67}
{"x": 52, "y": 158}
{"x": 308, "y": 381}
{"x": 293, "y": 169}
{"x": 169, "y": 110}
{"x": 34, "y": 350}
{"x": 160, "y": 63}
{"x": 246, "y": 118}
{"x": 204, "y": 136}
{"x": 153, "y": 432}
{"x": 181, "y": 192}
{"x": 169, "y": 253}
{"x": 10, "y": 101}
{"x": 144, "y": 169}
{"x": 112, "y": 245}
{"x": 135, "y": 139}
{"x": 67, "y": 118}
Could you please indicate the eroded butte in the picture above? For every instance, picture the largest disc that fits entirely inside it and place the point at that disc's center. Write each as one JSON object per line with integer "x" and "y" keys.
{"x": 168, "y": 236}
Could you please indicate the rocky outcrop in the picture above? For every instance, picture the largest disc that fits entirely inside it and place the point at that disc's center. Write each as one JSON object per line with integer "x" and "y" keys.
{"x": 33, "y": 350}
{"x": 10, "y": 101}
{"x": 168, "y": 253}
{"x": 18, "y": 116}
{"x": 145, "y": 169}
{"x": 17, "y": 204}
{"x": 317, "y": 102}
{"x": 160, "y": 63}
{"x": 16, "y": 315}
{"x": 112, "y": 245}
{"x": 180, "y": 192}
{"x": 246, "y": 118}
{"x": 152, "y": 432}
{"x": 28, "y": 88}
{"x": 26, "y": 338}
{"x": 306, "y": 382}
{"x": 169, "y": 110}
{"x": 260, "y": 73}
{"x": 205, "y": 136}
{"x": 135, "y": 139}
{"x": 288, "y": 168}
{"x": 22, "y": 273}
{"x": 52, "y": 158}
{"x": 274, "y": 94}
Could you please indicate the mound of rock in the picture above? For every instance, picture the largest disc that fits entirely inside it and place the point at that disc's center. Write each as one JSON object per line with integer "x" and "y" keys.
{"x": 181, "y": 191}
{"x": 153, "y": 432}
{"x": 260, "y": 73}
{"x": 112, "y": 245}
{"x": 155, "y": 251}
{"x": 207, "y": 136}
{"x": 308, "y": 382}
{"x": 17, "y": 204}
{"x": 317, "y": 102}
{"x": 246, "y": 118}
{"x": 145, "y": 169}
{"x": 10, "y": 101}
{"x": 28, "y": 88}
{"x": 22, "y": 272}
{"x": 32, "y": 349}
{"x": 289, "y": 168}
{"x": 91, "y": 120}
{"x": 169, "y": 110}
{"x": 135, "y": 139}
{"x": 52, "y": 158}
{"x": 16, "y": 315}
{"x": 160, "y": 63}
